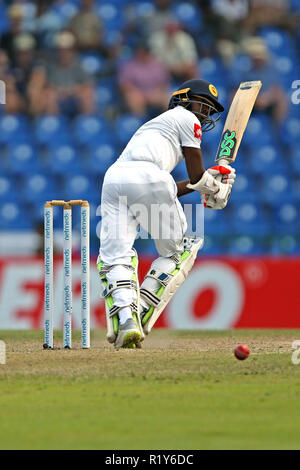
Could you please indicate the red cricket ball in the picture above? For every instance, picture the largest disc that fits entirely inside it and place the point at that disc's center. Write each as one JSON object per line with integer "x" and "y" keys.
{"x": 241, "y": 352}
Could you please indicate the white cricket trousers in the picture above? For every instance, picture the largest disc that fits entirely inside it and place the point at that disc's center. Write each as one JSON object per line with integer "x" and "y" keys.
{"x": 134, "y": 194}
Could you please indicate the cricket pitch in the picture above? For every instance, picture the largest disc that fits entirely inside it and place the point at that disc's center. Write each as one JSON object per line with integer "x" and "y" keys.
{"x": 182, "y": 390}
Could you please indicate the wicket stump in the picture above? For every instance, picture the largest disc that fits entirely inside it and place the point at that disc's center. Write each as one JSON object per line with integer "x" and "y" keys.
{"x": 67, "y": 268}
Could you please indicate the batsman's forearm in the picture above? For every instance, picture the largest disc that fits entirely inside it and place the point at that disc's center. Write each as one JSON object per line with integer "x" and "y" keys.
{"x": 194, "y": 163}
{"x": 182, "y": 189}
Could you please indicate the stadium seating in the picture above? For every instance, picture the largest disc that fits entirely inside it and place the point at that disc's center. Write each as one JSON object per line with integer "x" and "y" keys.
{"x": 212, "y": 137}
{"x": 212, "y": 70}
{"x": 40, "y": 187}
{"x": 212, "y": 246}
{"x": 267, "y": 159}
{"x": 81, "y": 187}
{"x": 275, "y": 189}
{"x": 245, "y": 245}
{"x": 49, "y": 129}
{"x": 278, "y": 41}
{"x": 106, "y": 93}
{"x": 111, "y": 16}
{"x": 286, "y": 218}
{"x": 101, "y": 156}
{"x": 294, "y": 187}
{"x": 295, "y": 161}
{"x": 23, "y": 158}
{"x": 90, "y": 130}
{"x": 4, "y": 22}
{"x": 258, "y": 132}
{"x": 295, "y": 6}
{"x": 248, "y": 219}
{"x": 64, "y": 160}
{"x": 92, "y": 63}
{"x": 290, "y": 135}
{"x": 216, "y": 223}
{"x": 8, "y": 190}
{"x": 54, "y": 157}
{"x": 14, "y": 217}
{"x": 142, "y": 8}
{"x": 64, "y": 10}
{"x": 188, "y": 15}
{"x": 245, "y": 189}
{"x": 180, "y": 173}
{"x": 285, "y": 245}
{"x": 13, "y": 128}
{"x": 125, "y": 126}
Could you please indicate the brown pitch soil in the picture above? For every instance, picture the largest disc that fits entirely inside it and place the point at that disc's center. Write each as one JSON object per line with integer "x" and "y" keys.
{"x": 163, "y": 353}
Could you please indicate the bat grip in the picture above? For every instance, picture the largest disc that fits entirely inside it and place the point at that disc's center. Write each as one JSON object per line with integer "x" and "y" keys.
{"x": 221, "y": 162}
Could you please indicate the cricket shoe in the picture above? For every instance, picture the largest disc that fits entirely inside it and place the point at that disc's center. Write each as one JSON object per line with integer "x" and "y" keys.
{"x": 129, "y": 335}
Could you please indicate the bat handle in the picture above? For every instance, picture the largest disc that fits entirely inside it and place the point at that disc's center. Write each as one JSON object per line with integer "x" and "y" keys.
{"x": 222, "y": 161}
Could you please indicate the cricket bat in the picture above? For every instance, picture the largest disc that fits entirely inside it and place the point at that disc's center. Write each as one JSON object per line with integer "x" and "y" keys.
{"x": 236, "y": 121}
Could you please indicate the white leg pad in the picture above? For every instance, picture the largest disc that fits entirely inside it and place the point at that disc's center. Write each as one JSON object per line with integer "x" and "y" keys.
{"x": 167, "y": 282}
{"x": 120, "y": 289}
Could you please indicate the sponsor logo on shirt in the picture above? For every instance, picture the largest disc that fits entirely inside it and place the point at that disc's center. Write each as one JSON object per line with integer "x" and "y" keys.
{"x": 197, "y": 131}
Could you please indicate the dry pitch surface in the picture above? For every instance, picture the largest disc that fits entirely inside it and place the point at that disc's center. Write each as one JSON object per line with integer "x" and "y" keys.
{"x": 183, "y": 390}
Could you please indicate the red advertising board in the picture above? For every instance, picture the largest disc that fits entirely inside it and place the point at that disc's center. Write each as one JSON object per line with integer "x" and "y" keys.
{"x": 219, "y": 293}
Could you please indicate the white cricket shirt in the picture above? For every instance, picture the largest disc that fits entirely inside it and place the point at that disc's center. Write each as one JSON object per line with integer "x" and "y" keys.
{"x": 160, "y": 140}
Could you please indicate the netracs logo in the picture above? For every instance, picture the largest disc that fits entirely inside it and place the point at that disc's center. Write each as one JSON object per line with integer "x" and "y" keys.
{"x": 197, "y": 131}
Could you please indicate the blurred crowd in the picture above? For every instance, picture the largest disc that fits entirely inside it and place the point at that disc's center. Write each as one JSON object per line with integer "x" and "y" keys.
{"x": 82, "y": 75}
{"x": 148, "y": 47}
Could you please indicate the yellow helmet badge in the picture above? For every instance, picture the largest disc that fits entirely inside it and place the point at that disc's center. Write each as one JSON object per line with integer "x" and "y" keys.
{"x": 213, "y": 90}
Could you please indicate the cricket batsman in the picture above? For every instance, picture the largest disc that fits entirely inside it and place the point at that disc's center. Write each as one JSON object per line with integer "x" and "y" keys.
{"x": 139, "y": 180}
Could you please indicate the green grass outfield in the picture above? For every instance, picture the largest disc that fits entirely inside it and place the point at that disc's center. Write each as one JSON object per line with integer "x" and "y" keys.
{"x": 183, "y": 390}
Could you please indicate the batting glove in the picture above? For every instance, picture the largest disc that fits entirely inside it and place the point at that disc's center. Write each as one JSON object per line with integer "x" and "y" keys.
{"x": 208, "y": 184}
{"x": 225, "y": 173}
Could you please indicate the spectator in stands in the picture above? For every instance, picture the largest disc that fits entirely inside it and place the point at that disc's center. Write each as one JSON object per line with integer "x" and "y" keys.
{"x": 144, "y": 83}
{"x": 155, "y": 20}
{"x": 86, "y": 27}
{"x": 14, "y": 101}
{"x": 29, "y": 11}
{"x": 272, "y": 98}
{"x": 62, "y": 85}
{"x": 162, "y": 16}
{"x": 270, "y": 12}
{"x": 46, "y": 23}
{"x": 224, "y": 20}
{"x": 16, "y": 27}
{"x": 177, "y": 50}
{"x": 24, "y": 52}
{"x": 26, "y": 69}
{"x": 229, "y": 16}
{"x": 4, "y": 65}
